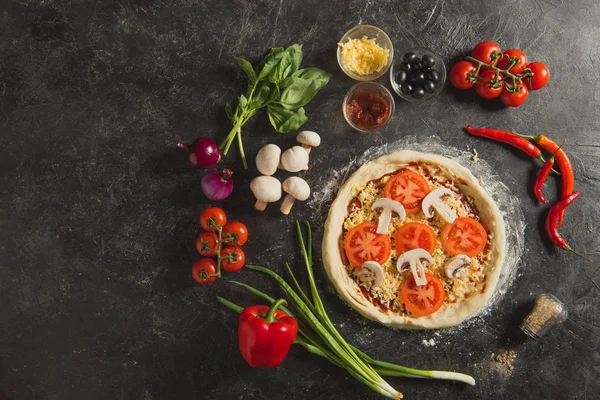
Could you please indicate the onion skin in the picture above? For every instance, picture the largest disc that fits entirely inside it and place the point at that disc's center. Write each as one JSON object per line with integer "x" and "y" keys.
{"x": 202, "y": 153}
{"x": 217, "y": 184}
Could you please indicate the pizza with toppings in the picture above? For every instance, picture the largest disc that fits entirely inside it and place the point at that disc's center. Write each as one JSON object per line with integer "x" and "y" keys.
{"x": 413, "y": 241}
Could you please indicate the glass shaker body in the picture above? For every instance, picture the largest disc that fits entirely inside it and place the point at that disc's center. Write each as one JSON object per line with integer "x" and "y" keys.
{"x": 547, "y": 312}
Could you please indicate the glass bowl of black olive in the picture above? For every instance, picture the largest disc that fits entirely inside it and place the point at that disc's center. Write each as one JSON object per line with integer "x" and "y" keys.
{"x": 418, "y": 74}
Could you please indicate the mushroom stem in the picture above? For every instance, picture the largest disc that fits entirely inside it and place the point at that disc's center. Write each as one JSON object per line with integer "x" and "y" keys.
{"x": 416, "y": 268}
{"x": 384, "y": 221}
{"x": 446, "y": 212}
{"x": 287, "y": 204}
{"x": 307, "y": 148}
{"x": 260, "y": 205}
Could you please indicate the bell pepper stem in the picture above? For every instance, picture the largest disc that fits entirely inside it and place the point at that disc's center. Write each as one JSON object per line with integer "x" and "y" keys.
{"x": 270, "y": 317}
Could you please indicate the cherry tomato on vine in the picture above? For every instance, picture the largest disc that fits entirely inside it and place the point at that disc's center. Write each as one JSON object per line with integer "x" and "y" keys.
{"x": 540, "y": 77}
{"x": 218, "y": 216}
{"x": 232, "y": 259}
{"x": 203, "y": 269}
{"x": 237, "y": 232}
{"x": 488, "y": 87}
{"x": 488, "y": 52}
{"x": 506, "y": 60}
{"x": 514, "y": 99}
{"x": 207, "y": 244}
{"x": 461, "y": 73}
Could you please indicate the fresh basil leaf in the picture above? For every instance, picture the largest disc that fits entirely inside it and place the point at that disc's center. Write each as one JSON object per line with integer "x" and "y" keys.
{"x": 296, "y": 53}
{"x": 229, "y": 111}
{"x": 297, "y": 93}
{"x": 285, "y": 120}
{"x": 282, "y": 70}
{"x": 243, "y": 100}
{"x": 286, "y": 82}
{"x": 270, "y": 53}
{"x": 247, "y": 68}
{"x": 275, "y": 94}
{"x": 300, "y": 92}
{"x": 317, "y": 75}
{"x": 270, "y": 62}
{"x": 261, "y": 94}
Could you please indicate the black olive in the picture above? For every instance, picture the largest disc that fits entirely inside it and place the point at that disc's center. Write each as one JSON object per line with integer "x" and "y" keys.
{"x": 433, "y": 76}
{"x": 418, "y": 92}
{"x": 406, "y": 88}
{"x": 428, "y": 60}
{"x": 410, "y": 57}
{"x": 417, "y": 77}
{"x": 406, "y": 67}
{"x": 429, "y": 86}
{"x": 401, "y": 77}
{"x": 416, "y": 65}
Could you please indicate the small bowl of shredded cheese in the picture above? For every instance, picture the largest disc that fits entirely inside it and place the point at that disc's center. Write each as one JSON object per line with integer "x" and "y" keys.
{"x": 365, "y": 53}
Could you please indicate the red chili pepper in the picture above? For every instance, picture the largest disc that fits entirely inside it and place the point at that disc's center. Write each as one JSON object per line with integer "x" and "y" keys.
{"x": 541, "y": 178}
{"x": 510, "y": 138}
{"x": 552, "y": 220}
{"x": 567, "y": 176}
{"x": 265, "y": 334}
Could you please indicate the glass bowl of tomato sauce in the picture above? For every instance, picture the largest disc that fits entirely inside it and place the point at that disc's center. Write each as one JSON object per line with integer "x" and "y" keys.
{"x": 368, "y": 107}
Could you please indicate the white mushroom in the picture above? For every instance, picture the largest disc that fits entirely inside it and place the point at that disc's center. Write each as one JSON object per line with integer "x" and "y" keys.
{"x": 434, "y": 201}
{"x": 457, "y": 266}
{"x": 308, "y": 139}
{"x": 296, "y": 189}
{"x": 294, "y": 159}
{"x": 267, "y": 159}
{"x": 370, "y": 271}
{"x": 388, "y": 206}
{"x": 266, "y": 189}
{"x": 415, "y": 259}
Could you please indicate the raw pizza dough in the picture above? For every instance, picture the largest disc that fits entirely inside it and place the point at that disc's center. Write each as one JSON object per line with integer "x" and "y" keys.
{"x": 449, "y": 314}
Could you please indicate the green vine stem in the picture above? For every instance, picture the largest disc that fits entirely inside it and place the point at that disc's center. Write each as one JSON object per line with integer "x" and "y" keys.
{"x": 505, "y": 72}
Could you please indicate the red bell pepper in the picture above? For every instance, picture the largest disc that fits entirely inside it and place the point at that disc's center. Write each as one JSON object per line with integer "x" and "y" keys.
{"x": 265, "y": 334}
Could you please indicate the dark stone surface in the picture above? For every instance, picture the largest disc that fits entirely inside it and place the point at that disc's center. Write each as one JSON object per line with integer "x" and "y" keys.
{"x": 98, "y": 209}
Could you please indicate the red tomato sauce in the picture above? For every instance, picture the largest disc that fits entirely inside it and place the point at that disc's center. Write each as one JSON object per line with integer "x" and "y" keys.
{"x": 369, "y": 110}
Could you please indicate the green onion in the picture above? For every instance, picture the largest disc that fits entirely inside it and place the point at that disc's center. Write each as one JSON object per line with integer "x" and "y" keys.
{"x": 318, "y": 335}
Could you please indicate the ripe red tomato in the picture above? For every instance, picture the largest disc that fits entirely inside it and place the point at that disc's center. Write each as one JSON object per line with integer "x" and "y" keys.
{"x": 488, "y": 52}
{"x": 203, "y": 269}
{"x": 514, "y": 99}
{"x": 363, "y": 243}
{"x": 216, "y": 214}
{"x": 422, "y": 300}
{"x": 507, "y": 57}
{"x": 232, "y": 259}
{"x": 207, "y": 244}
{"x": 414, "y": 235}
{"x": 489, "y": 87}
{"x": 462, "y": 75}
{"x": 464, "y": 236}
{"x": 540, "y": 77}
{"x": 235, "y": 234}
{"x": 407, "y": 188}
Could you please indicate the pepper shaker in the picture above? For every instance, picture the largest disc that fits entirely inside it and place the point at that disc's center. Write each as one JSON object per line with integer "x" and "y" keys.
{"x": 547, "y": 312}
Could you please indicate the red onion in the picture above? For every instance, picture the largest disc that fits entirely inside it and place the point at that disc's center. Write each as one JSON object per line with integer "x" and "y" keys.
{"x": 202, "y": 153}
{"x": 217, "y": 184}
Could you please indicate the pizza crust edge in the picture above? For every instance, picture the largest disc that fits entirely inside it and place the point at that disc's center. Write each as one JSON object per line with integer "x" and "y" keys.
{"x": 450, "y": 314}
